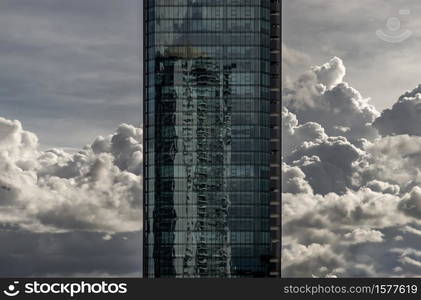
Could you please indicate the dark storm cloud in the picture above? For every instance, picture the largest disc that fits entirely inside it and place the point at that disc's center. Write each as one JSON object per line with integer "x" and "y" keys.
{"x": 70, "y": 60}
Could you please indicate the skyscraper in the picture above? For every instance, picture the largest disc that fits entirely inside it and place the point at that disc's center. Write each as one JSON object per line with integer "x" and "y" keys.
{"x": 207, "y": 126}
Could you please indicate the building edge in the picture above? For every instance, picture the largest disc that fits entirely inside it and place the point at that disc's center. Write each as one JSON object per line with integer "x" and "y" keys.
{"x": 275, "y": 167}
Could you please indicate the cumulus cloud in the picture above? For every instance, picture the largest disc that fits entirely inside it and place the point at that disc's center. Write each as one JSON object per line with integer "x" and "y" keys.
{"x": 346, "y": 189}
{"x": 404, "y": 117}
{"x": 96, "y": 189}
{"x": 392, "y": 159}
{"x": 337, "y": 234}
{"x": 294, "y": 135}
{"x": 330, "y": 74}
{"x": 383, "y": 187}
{"x": 364, "y": 235}
{"x": 297, "y": 260}
{"x": 411, "y": 203}
{"x": 328, "y": 165}
{"x": 320, "y": 95}
{"x": 293, "y": 180}
{"x": 327, "y": 162}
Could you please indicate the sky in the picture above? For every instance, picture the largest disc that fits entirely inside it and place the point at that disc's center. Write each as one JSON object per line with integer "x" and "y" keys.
{"x": 69, "y": 69}
{"x": 69, "y": 77}
{"x": 315, "y": 31}
{"x": 351, "y": 95}
{"x": 70, "y": 142}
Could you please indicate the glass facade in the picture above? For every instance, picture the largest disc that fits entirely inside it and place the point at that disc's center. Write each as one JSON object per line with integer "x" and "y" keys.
{"x": 207, "y": 138}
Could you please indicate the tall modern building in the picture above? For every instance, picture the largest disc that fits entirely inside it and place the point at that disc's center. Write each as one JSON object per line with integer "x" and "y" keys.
{"x": 210, "y": 179}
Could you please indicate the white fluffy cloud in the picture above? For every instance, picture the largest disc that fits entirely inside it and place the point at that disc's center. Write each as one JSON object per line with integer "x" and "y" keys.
{"x": 351, "y": 198}
{"x": 338, "y": 235}
{"x": 294, "y": 135}
{"x": 97, "y": 189}
{"x": 383, "y": 187}
{"x": 320, "y": 95}
{"x": 330, "y": 74}
{"x": 411, "y": 203}
{"x": 394, "y": 160}
{"x": 364, "y": 235}
{"x": 293, "y": 180}
{"x": 328, "y": 164}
